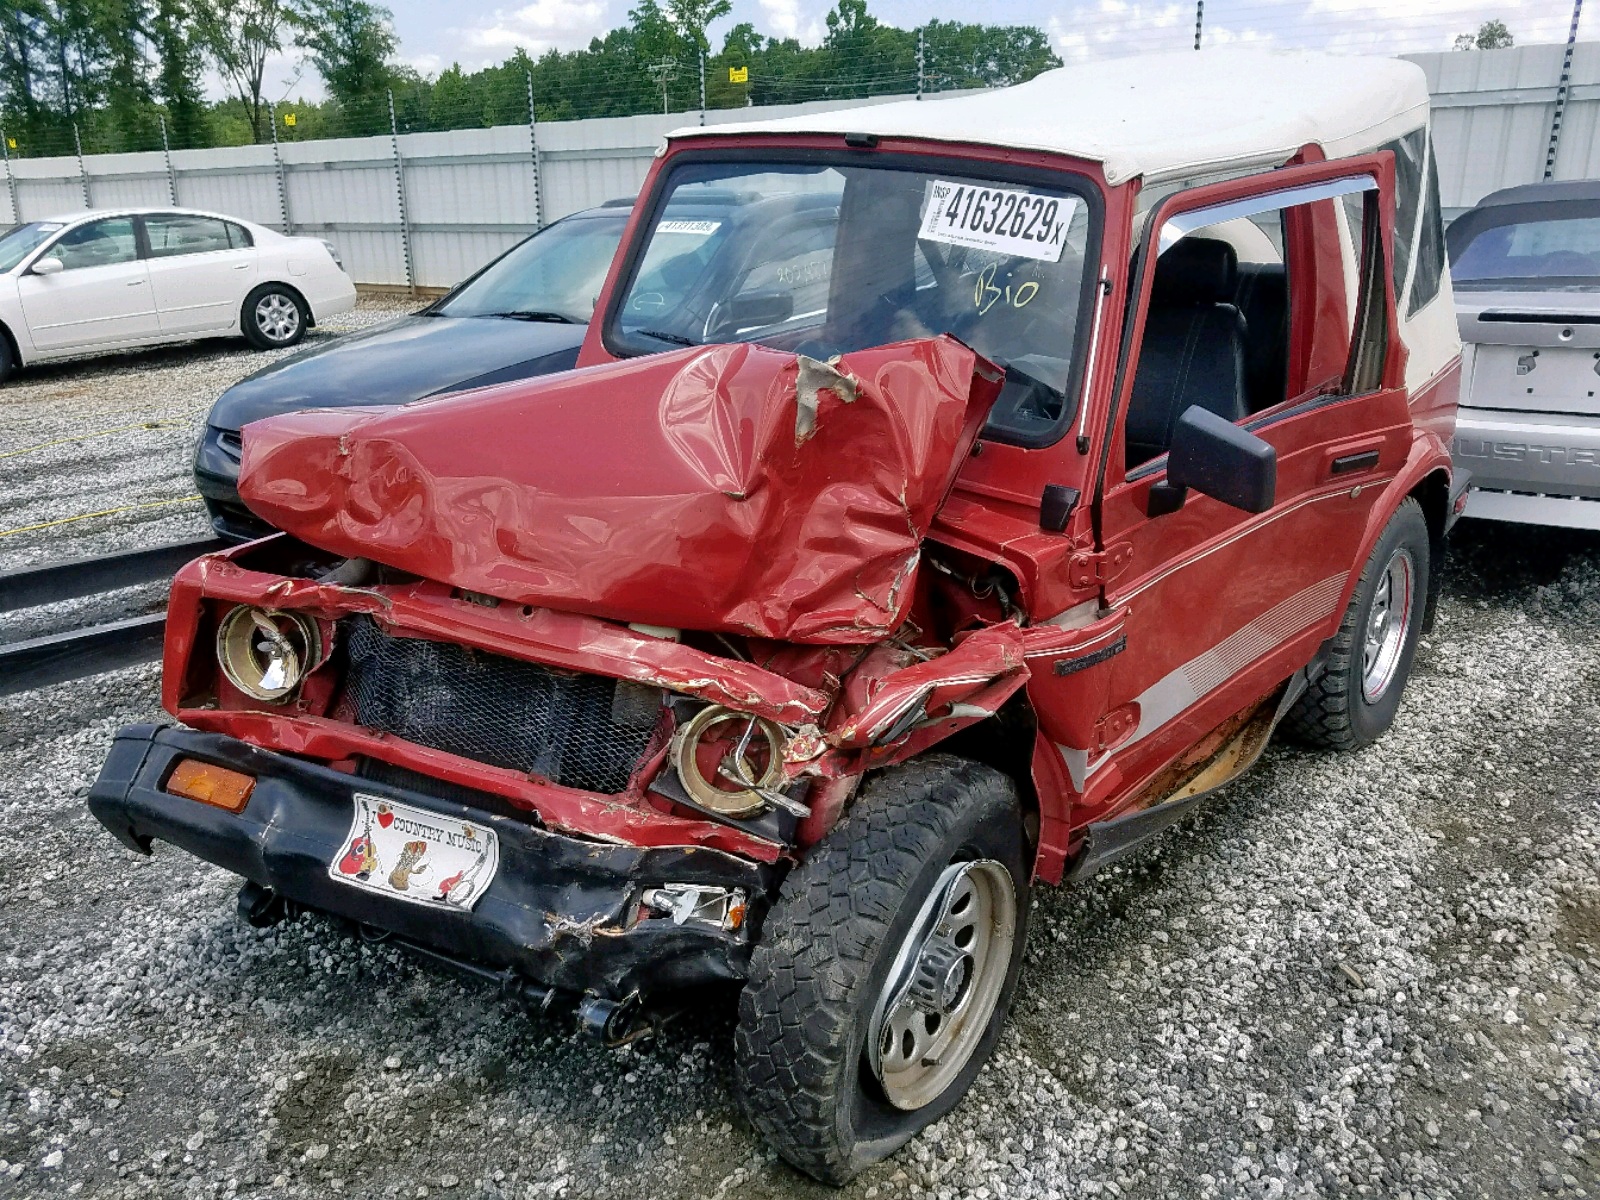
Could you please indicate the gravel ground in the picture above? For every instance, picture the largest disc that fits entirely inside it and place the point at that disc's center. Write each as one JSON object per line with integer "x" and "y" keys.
{"x": 1370, "y": 974}
{"x": 114, "y": 435}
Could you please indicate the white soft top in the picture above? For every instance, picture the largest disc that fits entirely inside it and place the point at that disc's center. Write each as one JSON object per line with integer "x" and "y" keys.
{"x": 1158, "y": 115}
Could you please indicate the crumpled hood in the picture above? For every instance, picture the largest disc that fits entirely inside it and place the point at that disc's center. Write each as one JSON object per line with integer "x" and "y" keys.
{"x": 726, "y": 488}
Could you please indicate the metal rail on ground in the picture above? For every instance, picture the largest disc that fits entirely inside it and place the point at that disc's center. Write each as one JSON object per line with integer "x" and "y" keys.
{"x": 55, "y": 582}
{"x": 57, "y": 657}
{"x": 73, "y": 654}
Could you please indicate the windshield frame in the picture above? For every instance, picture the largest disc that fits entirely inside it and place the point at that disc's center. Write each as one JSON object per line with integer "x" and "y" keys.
{"x": 1073, "y": 180}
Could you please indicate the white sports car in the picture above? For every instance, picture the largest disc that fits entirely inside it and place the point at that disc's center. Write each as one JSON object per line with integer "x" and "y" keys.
{"x": 118, "y": 278}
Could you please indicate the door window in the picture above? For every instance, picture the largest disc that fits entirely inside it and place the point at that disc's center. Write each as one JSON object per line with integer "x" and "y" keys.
{"x": 1408, "y": 155}
{"x": 172, "y": 234}
{"x": 100, "y": 243}
{"x": 1252, "y": 305}
{"x": 1430, "y": 245}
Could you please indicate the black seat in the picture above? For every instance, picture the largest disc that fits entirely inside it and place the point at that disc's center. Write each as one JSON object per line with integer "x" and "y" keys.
{"x": 1263, "y": 299}
{"x": 1193, "y": 350}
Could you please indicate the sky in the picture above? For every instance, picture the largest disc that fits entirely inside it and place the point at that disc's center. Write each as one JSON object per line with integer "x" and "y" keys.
{"x": 478, "y": 33}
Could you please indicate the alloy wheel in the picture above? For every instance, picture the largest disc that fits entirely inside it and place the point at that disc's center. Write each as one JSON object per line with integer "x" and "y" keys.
{"x": 277, "y": 316}
{"x": 1388, "y": 623}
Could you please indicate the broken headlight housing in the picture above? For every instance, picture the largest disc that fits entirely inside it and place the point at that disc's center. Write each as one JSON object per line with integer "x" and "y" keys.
{"x": 266, "y": 654}
{"x": 731, "y": 763}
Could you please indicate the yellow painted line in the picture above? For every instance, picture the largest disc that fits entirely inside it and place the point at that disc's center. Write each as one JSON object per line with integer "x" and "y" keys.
{"x": 105, "y": 512}
{"x": 84, "y": 437}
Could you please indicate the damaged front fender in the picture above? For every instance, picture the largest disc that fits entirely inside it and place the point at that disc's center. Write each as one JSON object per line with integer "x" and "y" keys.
{"x": 887, "y": 714}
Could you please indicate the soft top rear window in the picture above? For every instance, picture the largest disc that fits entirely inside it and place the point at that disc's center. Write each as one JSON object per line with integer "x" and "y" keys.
{"x": 1552, "y": 243}
{"x": 822, "y": 254}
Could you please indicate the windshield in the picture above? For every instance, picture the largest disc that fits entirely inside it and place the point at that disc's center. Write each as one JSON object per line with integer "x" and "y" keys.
{"x": 1560, "y": 251}
{"x": 823, "y": 258}
{"x": 21, "y": 240}
{"x": 555, "y": 275}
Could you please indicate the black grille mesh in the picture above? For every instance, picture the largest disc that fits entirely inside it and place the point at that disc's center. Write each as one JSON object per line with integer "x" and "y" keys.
{"x": 495, "y": 710}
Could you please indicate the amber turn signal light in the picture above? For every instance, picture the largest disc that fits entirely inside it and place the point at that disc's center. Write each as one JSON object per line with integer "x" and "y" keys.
{"x": 217, "y": 786}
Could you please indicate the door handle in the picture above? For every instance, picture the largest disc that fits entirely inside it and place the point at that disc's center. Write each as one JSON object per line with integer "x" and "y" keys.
{"x": 1351, "y": 458}
{"x": 241, "y": 266}
{"x": 1345, "y": 464}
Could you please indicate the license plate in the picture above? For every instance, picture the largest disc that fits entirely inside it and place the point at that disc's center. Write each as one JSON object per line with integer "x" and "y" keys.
{"x": 415, "y": 855}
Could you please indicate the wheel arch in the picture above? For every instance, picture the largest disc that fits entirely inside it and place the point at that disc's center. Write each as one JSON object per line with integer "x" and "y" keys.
{"x": 1414, "y": 480}
{"x": 12, "y": 344}
{"x": 1433, "y": 494}
{"x": 1005, "y": 742}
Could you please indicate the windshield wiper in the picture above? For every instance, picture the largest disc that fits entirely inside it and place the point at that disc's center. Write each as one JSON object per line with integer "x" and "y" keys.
{"x": 677, "y": 339}
{"x": 533, "y": 314}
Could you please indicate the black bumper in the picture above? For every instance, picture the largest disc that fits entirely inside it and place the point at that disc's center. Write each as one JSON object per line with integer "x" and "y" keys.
{"x": 558, "y": 912}
{"x": 216, "y": 478}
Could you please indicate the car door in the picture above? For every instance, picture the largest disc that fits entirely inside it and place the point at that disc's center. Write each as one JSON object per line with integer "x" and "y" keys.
{"x": 100, "y": 297}
{"x": 1220, "y": 605}
{"x": 200, "y": 269}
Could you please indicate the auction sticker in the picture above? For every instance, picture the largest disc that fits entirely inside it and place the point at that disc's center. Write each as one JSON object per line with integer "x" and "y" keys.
{"x": 416, "y": 855}
{"x": 1005, "y": 220}
{"x": 702, "y": 228}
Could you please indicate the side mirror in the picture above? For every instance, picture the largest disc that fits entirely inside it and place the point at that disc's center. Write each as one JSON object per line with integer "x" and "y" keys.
{"x": 756, "y": 310}
{"x": 1218, "y": 459}
{"x": 50, "y": 265}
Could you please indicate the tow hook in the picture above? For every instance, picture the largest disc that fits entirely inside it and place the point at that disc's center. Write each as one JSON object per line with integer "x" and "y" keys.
{"x": 262, "y": 908}
{"x": 614, "y": 1022}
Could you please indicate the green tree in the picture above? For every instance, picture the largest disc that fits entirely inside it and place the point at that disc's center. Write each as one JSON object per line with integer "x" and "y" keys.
{"x": 178, "y": 67}
{"x": 23, "y": 39}
{"x": 1491, "y": 35}
{"x": 239, "y": 36}
{"x": 350, "y": 43}
{"x": 111, "y": 66}
{"x": 691, "y": 17}
{"x": 127, "y": 120}
{"x": 969, "y": 56}
{"x": 56, "y": 68}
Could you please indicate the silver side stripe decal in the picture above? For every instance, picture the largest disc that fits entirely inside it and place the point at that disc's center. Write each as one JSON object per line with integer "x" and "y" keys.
{"x": 1246, "y": 530}
{"x": 1174, "y": 693}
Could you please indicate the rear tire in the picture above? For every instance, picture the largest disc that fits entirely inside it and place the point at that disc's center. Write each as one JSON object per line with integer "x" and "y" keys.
{"x": 932, "y": 853}
{"x": 1356, "y": 698}
{"x": 273, "y": 317}
{"x": 8, "y": 360}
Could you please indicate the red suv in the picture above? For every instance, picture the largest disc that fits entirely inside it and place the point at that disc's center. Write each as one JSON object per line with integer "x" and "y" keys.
{"x": 1034, "y": 457}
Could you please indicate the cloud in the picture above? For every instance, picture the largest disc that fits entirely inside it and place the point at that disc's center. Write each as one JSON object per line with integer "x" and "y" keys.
{"x": 1118, "y": 27}
{"x": 1109, "y": 28}
{"x": 423, "y": 64}
{"x": 798, "y": 19}
{"x": 783, "y": 17}
{"x": 1409, "y": 26}
{"x": 540, "y": 26}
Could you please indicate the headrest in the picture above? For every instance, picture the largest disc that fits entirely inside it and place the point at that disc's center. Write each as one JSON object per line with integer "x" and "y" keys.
{"x": 1196, "y": 271}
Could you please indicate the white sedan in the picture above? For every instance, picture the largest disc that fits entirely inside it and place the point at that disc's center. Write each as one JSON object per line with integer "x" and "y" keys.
{"x": 114, "y": 279}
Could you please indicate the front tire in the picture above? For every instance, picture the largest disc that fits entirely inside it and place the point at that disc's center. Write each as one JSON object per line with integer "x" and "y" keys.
{"x": 273, "y": 317}
{"x": 8, "y": 360}
{"x": 1355, "y": 700}
{"x": 886, "y": 968}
